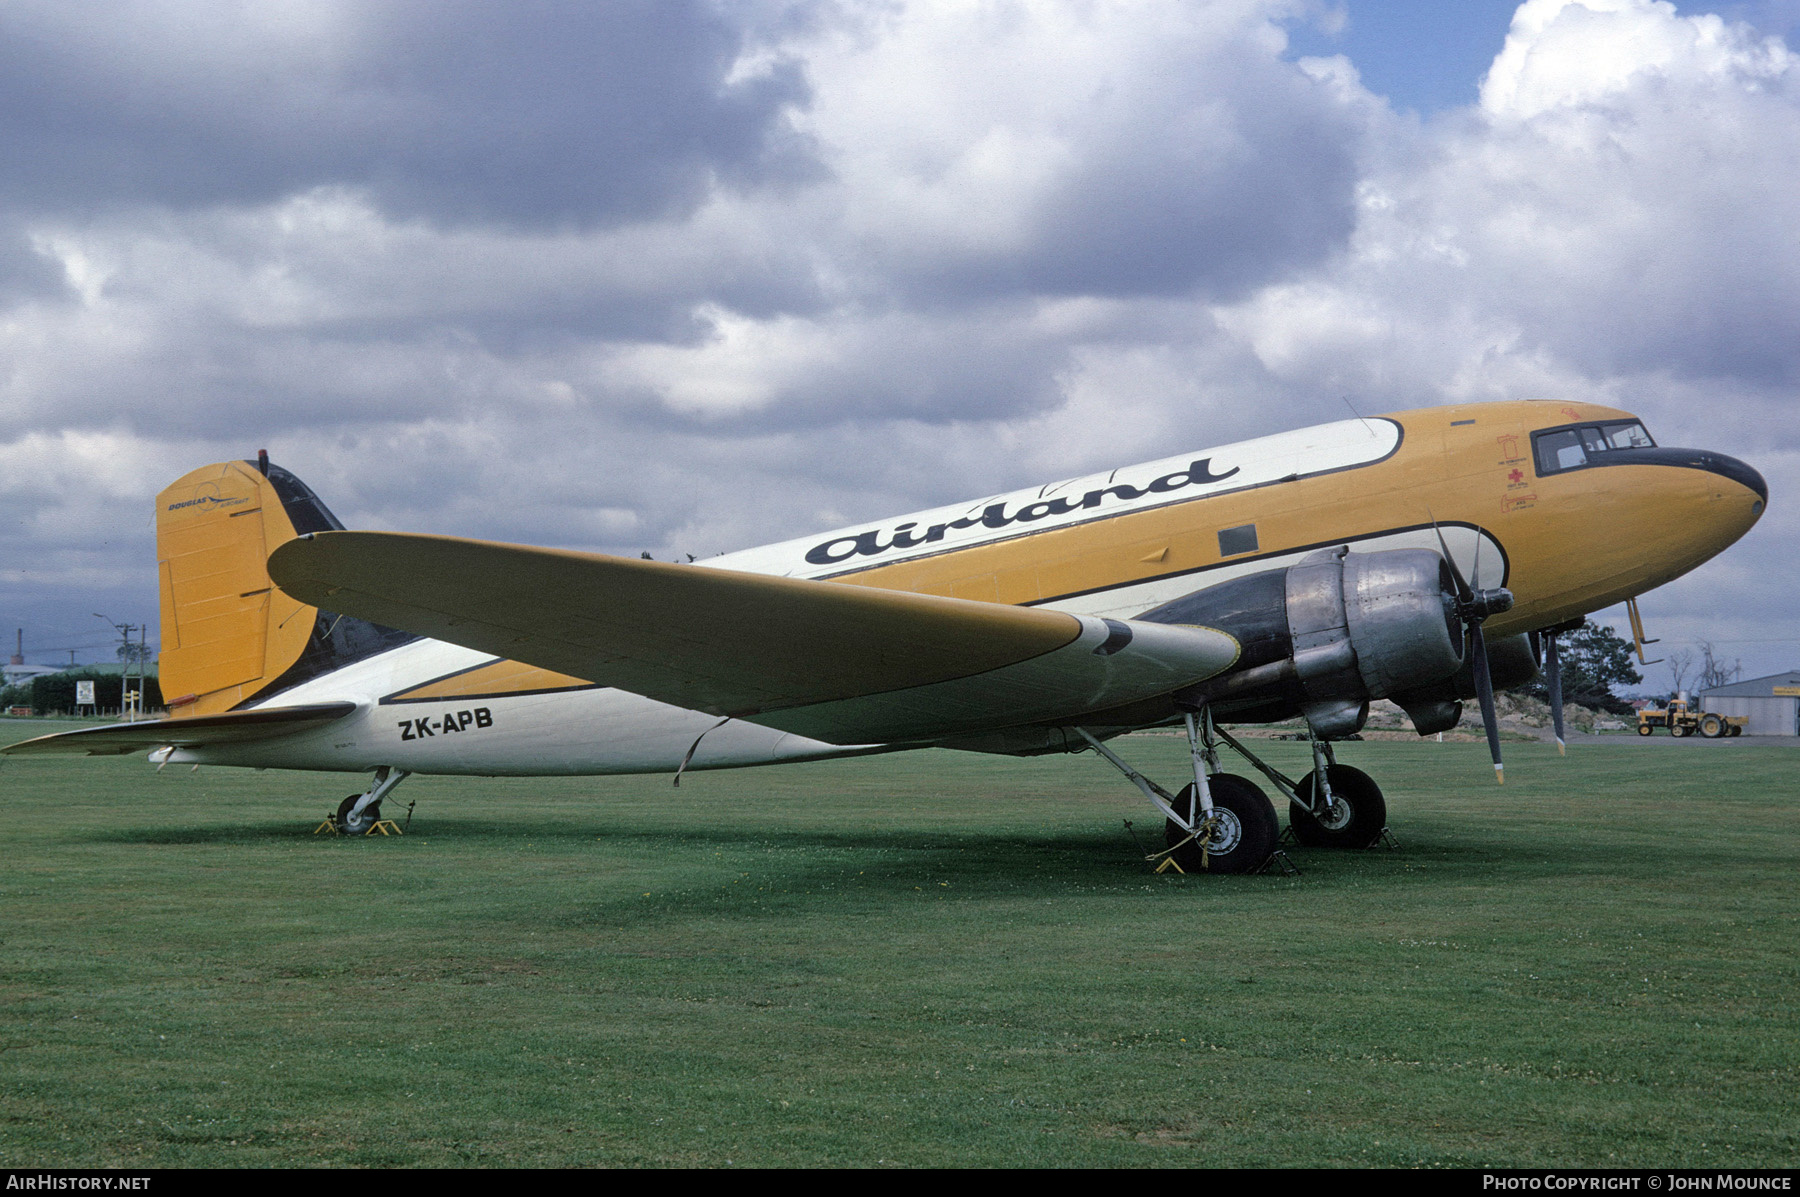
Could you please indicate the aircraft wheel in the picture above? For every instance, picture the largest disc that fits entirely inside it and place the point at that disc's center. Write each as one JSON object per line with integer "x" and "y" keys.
{"x": 1645, "y": 729}
{"x": 1356, "y": 818}
{"x": 370, "y": 815}
{"x": 1712, "y": 727}
{"x": 1245, "y": 829}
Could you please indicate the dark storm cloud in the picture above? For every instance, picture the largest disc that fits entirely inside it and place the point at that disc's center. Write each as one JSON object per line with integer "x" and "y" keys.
{"x": 528, "y": 113}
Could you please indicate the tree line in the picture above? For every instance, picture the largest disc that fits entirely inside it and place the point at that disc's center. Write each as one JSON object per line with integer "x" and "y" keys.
{"x": 54, "y": 693}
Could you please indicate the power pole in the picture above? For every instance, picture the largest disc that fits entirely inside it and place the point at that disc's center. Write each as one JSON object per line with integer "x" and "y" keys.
{"x": 125, "y": 630}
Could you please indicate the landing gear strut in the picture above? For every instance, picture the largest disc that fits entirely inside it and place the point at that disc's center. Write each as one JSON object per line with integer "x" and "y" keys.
{"x": 1345, "y": 810}
{"x": 358, "y": 814}
{"x": 1219, "y": 823}
{"x": 1336, "y": 806}
{"x": 1243, "y": 829}
{"x": 1355, "y": 819}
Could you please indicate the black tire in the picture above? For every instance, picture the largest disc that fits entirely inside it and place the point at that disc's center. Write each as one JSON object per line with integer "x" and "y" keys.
{"x": 1361, "y": 821}
{"x": 1711, "y": 726}
{"x": 1244, "y": 835}
{"x": 371, "y": 814}
{"x": 1679, "y": 729}
{"x": 1645, "y": 729}
{"x": 1736, "y": 730}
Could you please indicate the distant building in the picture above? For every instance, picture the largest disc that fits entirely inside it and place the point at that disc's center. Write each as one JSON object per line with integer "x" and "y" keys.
{"x": 1771, "y": 712}
{"x": 18, "y": 673}
{"x": 109, "y": 669}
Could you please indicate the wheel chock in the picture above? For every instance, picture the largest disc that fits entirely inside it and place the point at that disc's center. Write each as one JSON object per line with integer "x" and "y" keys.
{"x": 1169, "y": 863}
{"x": 1278, "y": 860}
{"x": 384, "y": 826}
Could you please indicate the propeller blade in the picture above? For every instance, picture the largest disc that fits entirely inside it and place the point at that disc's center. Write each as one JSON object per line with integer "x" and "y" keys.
{"x": 1553, "y": 682}
{"x": 1464, "y": 592}
{"x": 1484, "y": 691}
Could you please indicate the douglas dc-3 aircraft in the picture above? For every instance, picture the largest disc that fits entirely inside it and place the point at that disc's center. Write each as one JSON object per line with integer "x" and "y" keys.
{"x": 1421, "y": 557}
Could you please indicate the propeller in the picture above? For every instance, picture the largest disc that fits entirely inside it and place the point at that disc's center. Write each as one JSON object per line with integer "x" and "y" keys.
{"x": 1553, "y": 683}
{"x": 1473, "y": 607}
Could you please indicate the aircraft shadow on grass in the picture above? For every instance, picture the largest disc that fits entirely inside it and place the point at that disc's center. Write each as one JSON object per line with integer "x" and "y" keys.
{"x": 973, "y": 863}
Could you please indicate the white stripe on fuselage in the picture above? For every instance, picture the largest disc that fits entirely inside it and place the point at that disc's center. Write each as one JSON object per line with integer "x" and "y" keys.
{"x": 1201, "y": 474}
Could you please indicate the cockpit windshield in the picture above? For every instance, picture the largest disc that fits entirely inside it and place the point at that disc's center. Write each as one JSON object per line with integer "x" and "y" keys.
{"x": 1570, "y": 448}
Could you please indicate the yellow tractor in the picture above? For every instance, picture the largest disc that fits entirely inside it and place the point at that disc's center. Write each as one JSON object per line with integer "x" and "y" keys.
{"x": 1682, "y": 720}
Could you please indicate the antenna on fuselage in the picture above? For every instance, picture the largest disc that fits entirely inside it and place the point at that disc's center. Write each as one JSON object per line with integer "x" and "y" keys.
{"x": 1357, "y": 414}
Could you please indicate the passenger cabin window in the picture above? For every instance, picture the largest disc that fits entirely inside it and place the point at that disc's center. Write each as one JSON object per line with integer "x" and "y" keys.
{"x": 1241, "y": 539}
{"x": 1559, "y": 449}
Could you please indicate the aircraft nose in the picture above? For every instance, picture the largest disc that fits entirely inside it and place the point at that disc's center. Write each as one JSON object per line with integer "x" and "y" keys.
{"x": 1717, "y": 464}
{"x": 1730, "y": 502}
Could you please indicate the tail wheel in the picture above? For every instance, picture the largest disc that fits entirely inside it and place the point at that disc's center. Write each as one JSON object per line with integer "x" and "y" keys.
{"x": 360, "y": 823}
{"x": 1645, "y": 729}
{"x": 1711, "y": 726}
{"x": 1244, "y": 828}
{"x": 1356, "y": 818}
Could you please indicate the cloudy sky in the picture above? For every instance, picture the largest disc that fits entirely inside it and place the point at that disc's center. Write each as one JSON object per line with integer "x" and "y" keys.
{"x": 686, "y": 277}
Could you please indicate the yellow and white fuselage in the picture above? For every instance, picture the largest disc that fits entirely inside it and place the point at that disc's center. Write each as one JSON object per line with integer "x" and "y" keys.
{"x": 1049, "y": 579}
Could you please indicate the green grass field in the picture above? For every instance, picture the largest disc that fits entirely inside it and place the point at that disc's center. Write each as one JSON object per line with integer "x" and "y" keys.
{"x": 923, "y": 959}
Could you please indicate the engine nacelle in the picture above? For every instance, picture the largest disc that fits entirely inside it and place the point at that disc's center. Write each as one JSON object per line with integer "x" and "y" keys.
{"x": 1512, "y": 661}
{"x": 1326, "y": 635}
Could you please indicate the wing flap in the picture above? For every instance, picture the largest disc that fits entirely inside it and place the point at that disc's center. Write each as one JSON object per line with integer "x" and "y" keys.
{"x": 231, "y": 727}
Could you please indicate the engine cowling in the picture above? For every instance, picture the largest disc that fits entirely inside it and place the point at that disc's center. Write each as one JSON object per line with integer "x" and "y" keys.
{"x": 1512, "y": 661}
{"x": 1324, "y": 636}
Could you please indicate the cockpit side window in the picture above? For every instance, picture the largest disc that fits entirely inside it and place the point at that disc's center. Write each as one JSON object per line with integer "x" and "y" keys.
{"x": 1627, "y": 435}
{"x": 1577, "y": 445}
{"x": 1558, "y": 451}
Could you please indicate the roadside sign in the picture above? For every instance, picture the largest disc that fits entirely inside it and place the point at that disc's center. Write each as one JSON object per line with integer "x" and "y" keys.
{"x": 84, "y": 694}
{"x": 1786, "y": 691}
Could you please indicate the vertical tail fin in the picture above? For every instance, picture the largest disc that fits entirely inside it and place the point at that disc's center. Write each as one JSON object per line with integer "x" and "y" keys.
{"x": 228, "y": 634}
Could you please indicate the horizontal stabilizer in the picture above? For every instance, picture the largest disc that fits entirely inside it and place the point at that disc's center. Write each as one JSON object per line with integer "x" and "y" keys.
{"x": 232, "y": 727}
{"x": 843, "y": 663}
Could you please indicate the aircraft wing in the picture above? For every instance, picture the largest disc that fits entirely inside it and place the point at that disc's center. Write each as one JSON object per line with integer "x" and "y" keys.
{"x": 842, "y": 663}
{"x": 232, "y": 727}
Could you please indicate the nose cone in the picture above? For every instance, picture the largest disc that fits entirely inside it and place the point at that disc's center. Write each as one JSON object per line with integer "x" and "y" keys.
{"x": 1730, "y": 498}
{"x": 1693, "y": 505}
{"x": 1727, "y": 467}
{"x": 1753, "y": 496}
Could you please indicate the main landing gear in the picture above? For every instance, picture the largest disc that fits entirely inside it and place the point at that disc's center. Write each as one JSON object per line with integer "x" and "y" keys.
{"x": 358, "y": 814}
{"x": 1221, "y": 823}
{"x": 1224, "y": 823}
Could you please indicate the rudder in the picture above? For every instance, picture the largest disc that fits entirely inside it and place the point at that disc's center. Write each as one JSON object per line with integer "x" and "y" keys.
{"x": 229, "y": 635}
